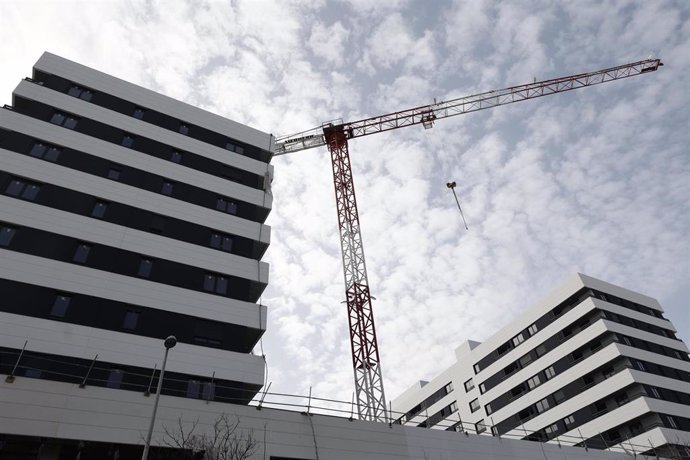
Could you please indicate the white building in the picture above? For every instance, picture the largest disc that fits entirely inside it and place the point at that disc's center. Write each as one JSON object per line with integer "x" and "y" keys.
{"x": 126, "y": 216}
{"x": 592, "y": 364}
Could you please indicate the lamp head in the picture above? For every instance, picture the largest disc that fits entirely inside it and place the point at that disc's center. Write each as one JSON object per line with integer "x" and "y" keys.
{"x": 451, "y": 184}
{"x": 170, "y": 342}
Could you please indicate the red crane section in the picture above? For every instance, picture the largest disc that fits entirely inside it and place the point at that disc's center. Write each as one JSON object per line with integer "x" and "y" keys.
{"x": 371, "y": 401}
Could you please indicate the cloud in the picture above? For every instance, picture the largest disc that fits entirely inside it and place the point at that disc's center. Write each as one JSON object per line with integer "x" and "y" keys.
{"x": 594, "y": 180}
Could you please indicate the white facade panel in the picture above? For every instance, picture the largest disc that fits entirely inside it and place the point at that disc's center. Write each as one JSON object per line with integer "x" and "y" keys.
{"x": 648, "y": 336}
{"x": 553, "y": 328}
{"x": 73, "y": 278}
{"x": 97, "y": 231}
{"x": 50, "y": 63}
{"x": 68, "y": 138}
{"x": 134, "y": 126}
{"x": 110, "y": 190}
{"x": 602, "y": 356}
{"x": 545, "y": 361}
{"x": 66, "y": 339}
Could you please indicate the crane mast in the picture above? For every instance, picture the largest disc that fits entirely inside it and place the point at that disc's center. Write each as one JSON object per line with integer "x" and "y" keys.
{"x": 370, "y": 397}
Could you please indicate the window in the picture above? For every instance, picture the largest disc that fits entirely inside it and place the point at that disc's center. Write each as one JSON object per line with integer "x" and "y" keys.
{"x": 448, "y": 388}
{"x": 635, "y": 428}
{"x": 532, "y": 329}
{"x": 503, "y": 348}
{"x": 234, "y": 148}
{"x": 599, "y": 406}
{"x": 208, "y": 391}
{"x": 157, "y": 224}
{"x": 551, "y": 429}
{"x": 176, "y": 157}
{"x": 45, "y": 151}
{"x": 469, "y": 385}
{"x": 625, "y": 340}
{"x": 533, "y": 382}
{"x": 145, "y": 267}
{"x": 114, "y": 174}
{"x": 576, "y": 355}
{"x": 33, "y": 373}
{"x": 518, "y": 339}
{"x": 671, "y": 422}
{"x": 480, "y": 427}
{"x": 510, "y": 368}
{"x": 525, "y": 360}
{"x": 542, "y": 405}
{"x": 569, "y": 421}
{"x": 621, "y": 398}
{"x": 526, "y": 414}
{"x": 640, "y": 365}
{"x": 482, "y": 388}
{"x": 559, "y": 396}
{"x": 99, "y": 209}
{"x": 607, "y": 372}
{"x": 82, "y": 253}
{"x": 476, "y": 368}
{"x": 127, "y": 140}
{"x": 24, "y": 189}
{"x": 453, "y": 407}
{"x": 223, "y": 204}
{"x": 184, "y": 129}
{"x": 517, "y": 391}
{"x": 115, "y": 378}
{"x": 488, "y": 409}
{"x": 66, "y": 121}
{"x": 138, "y": 113}
{"x": 474, "y": 405}
{"x": 167, "y": 188}
{"x": 81, "y": 93}
{"x": 60, "y": 305}
{"x": 216, "y": 283}
{"x": 6, "y": 235}
{"x": 654, "y": 391}
{"x": 221, "y": 241}
{"x": 131, "y": 320}
{"x": 540, "y": 350}
{"x": 549, "y": 372}
{"x": 193, "y": 389}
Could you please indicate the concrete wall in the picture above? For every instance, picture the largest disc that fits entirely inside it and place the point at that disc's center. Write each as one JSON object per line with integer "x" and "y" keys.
{"x": 59, "y": 410}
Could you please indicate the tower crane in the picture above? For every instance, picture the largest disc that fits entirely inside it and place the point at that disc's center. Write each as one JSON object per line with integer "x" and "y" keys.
{"x": 371, "y": 401}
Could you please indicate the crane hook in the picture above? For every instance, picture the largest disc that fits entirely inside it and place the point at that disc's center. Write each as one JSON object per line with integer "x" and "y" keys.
{"x": 451, "y": 186}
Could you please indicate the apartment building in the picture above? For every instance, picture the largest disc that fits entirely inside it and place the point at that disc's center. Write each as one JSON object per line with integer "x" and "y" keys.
{"x": 593, "y": 365}
{"x": 125, "y": 217}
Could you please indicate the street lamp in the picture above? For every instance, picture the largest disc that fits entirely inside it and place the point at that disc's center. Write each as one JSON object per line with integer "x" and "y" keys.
{"x": 170, "y": 342}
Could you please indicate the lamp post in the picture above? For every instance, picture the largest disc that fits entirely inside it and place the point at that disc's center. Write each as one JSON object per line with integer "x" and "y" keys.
{"x": 170, "y": 342}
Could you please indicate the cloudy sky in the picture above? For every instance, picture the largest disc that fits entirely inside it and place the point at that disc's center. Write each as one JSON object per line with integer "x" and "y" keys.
{"x": 595, "y": 181}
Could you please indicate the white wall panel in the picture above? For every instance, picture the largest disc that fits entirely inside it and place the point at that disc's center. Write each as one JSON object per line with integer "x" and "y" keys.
{"x": 135, "y": 126}
{"x": 110, "y": 190}
{"x": 56, "y": 65}
{"x": 553, "y": 328}
{"x": 84, "y": 228}
{"x": 68, "y": 138}
{"x": 77, "y": 279}
{"x": 66, "y": 339}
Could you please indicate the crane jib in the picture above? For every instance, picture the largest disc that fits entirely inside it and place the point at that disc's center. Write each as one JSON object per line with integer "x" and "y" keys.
{"x": 426, "y": 115}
